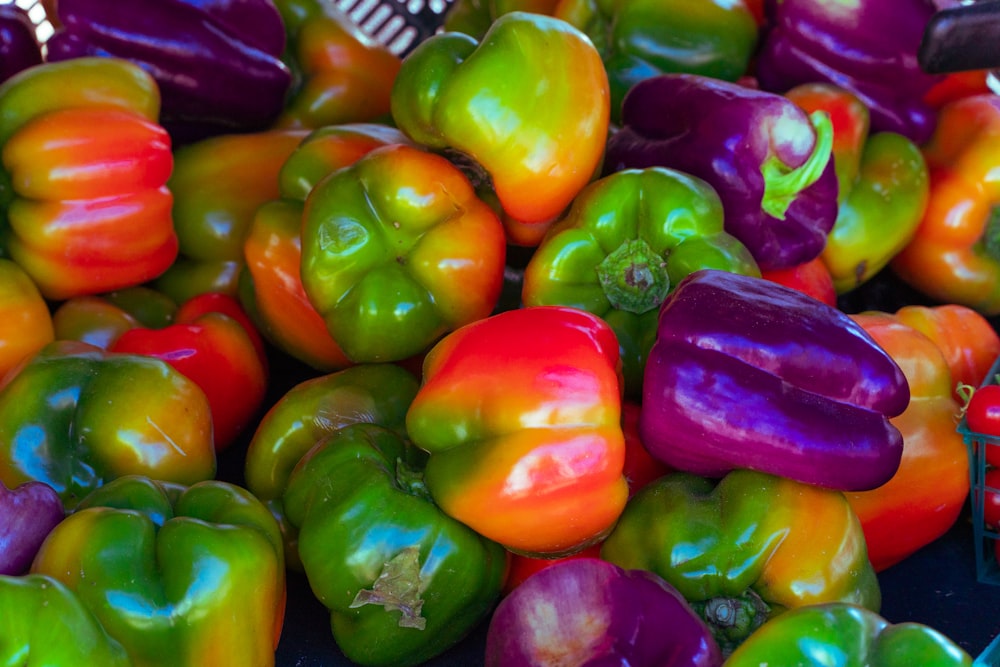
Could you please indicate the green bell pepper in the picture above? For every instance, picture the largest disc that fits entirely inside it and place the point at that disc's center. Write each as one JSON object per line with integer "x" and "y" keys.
{"x": 403, "y": 580}
{"x": 848, "y": 636}
{"x": 746, "y": 548}
{"x": 628, "y": 239}
{"x": 178, "y": 575}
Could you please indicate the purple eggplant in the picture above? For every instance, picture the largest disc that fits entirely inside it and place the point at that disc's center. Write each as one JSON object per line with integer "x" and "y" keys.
{"x": 28, "y": 512}
{"x": 869, "y": 47}
{"x": 19, "y": 47}
{"x": 217, "y": 62}
{"x": 588, "y": 612}
{"x": 747, "y": 373}
{"x": 768, "y": 160}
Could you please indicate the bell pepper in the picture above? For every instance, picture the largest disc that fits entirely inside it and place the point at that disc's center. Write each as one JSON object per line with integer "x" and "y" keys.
{"x": 627, "y": 240}
{"x": 474, "y": 17}
{"x": 271, "y": 286}
{"x": 217, "y": 63}
{"x": 521, "y": 415}
{"x": 867, "y": 46}
{"x": 30, "y": 511}
{"x": 953, "y": 256}
{"x": 403, "y": 581}
{"x": 44, "y": 621}
{"x": 397, "y": 251}
{"x": 883, "y": 187}
{"x": 218, "y": 183}
{"x": 222, "y": 354}
{"x": 925, "y": 496}
{"x": 812, "y": 278}
{"x": 858, "y": 637}
{"x": 19, "y": 46}
{"x": 539, "y": 136}
{"x": 26, "y": 324}
{"x": 749, "y": 373}
{"x": 597, "y": 613}
{"x": 75, "y": 417}
{"x": 768, "y": 160}
{"x": 99, "y": 319}
{"x": 85, "y": 166}
{"x": 311, "y": 410}
{"x": 179, "y": 575}
{"x": 745, "y": 548}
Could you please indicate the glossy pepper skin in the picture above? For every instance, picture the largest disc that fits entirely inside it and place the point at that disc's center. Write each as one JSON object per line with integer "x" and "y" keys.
{"x": 867, "y": 46}
{"x": 768, "y": 160}
{"x": 75, "y": 417}
{"x": 403, "y": 580}
{"x": 179, "y": 575}
{"x": 455, "y": 93}
{"x": 954, "y": 256}
{"x": 30, "y": 511}
{"x": 99, "y": 319}
{"x": 25, "y": 319}
{"x": 397, "y": 250}
{"x": 19, "y": 47}
{"x": 85, "y": 166}
{"x": 217, "y": 62}
{"x": 42, "y": 618}
{"x": 860, "y": 637}
{"x": 749, "y": 373}
{"x": 521, "y": 414}
{"x": 883, "y": 187}
{"x": 627, "y": 240}
{"x": 931, "y": 487}
{"x": 746, "y": 547}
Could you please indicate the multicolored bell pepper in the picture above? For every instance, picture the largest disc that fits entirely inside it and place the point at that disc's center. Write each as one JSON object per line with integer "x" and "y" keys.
{"x": 538, "y": 136}
{"x": 747, "y": 373}
{"x": 179, "y": 575}
{"x": 75, "y": 417}
{"x": 859, "y": 637}
{"x": 19, "y": 46}
{"x": 954, "y": 255}
{"x": 397, "y": 250}
{"x": 84, "y": 170}
{"x": 521, "y": 414}
{"x": 768, "y": 160}
{"x": 627, "y": 240}
{"x": 30, "y": 511}
{"x": 883, "y": 187}
{"x": 403, "y": 580}
{"x": 99, "y": 319}
{"x": 26, "y": 323}
{"x": 746, "y": 548}
{"x": 217, "y": 62}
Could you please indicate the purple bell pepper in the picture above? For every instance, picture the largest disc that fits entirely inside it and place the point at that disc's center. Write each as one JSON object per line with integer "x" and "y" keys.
{"x": 768, "y": 160}
{"x": 591, "y": 613}
{"x": 217, "y": 62}
{"x": 19, "y": 47}
{"x": 869, "y": 47}
{"x": 28, "y": 513}
{"x": 747, "y": 373}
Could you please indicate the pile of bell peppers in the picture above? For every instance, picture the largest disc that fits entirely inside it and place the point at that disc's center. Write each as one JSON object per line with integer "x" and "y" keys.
{"x": 573, "y": 306}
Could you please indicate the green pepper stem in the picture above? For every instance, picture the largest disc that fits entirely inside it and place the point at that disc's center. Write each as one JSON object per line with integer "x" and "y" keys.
{"x": 733, "y": 619}
{"x": 634, "y": 277}
{"x": 411, "y": 480}
{"x": 991, "y": 234}
{"x": 781, "y": 184}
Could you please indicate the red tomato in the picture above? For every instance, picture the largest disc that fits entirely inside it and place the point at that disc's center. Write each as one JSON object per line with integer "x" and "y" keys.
{"x": 991, "y": 500}
{"x": 983, "y": 416}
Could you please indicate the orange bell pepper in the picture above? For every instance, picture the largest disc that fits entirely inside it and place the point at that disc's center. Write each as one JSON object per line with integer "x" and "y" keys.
{"x": 25, "y": 321}
{"x": 926, "y": 495}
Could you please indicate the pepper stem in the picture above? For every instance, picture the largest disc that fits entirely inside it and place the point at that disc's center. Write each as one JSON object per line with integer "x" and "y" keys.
{"x": 733, "y": 619}
{"x": 411, "y": 480}
{"x": 634, "y": 277}
{"x": 781, "y": 184}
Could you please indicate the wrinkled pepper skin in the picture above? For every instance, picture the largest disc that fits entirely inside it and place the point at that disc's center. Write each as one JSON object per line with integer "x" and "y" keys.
{"x": 75, "y": 417}
{"x": 867, "y": 46}
{"x": 883, "y": 187}
{"x": 521, "y": 414}
{"x": 749, "y": 373}
{"x": 19, "y": 47}
{"x": 217, "y": 62}
{"x": 455, "y": 93}
{"x": 179, "y": 575}
{"x": 26, "y": 323}
{"x": 83, "y": 187}
{"x": 768, "y": 160}
{"x": 42, "y": 618}
{"x": 859, "y": 637}
{"x": 931, "y": 487}
{"x": 311, "y": 410}
{"x": 954, "y": 255}
{"x": 627, "y": 240}
{"x": 403, "y": 580}
{"x": 397, "y": 250}
{"x": 746, "y": 548}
